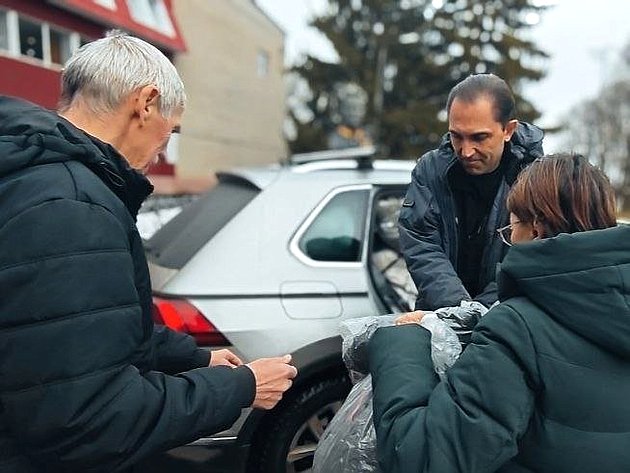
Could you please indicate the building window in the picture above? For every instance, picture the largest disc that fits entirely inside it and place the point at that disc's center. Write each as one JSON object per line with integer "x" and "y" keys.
{"x": 262, "y": 64}
{"x": 31, "y": 39}
{"x": 152, "y": 13}
{"x": 4, "y": 31}
{"x": 26, "y": 37}
{"x": 109, "y": 4}
{"x": 60, "y": 46}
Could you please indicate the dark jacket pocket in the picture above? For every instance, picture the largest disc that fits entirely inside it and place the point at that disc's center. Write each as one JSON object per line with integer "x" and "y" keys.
{"x": 416, "y": 205}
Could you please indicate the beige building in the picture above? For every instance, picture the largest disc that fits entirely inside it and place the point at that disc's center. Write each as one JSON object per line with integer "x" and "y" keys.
{"x": 233, "y": 73}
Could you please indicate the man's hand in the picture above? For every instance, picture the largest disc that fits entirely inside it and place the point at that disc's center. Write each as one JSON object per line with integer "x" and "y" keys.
{"x": 414, "y": 317}
{"x": 273, "y": 378}
{"x": 224, "y": 357}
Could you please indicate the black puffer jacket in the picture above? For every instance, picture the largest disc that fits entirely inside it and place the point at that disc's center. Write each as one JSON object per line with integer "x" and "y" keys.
{"x": 544, "y": 385}
{"x": 428, "y": 227}
{"x": 80, "y": 389}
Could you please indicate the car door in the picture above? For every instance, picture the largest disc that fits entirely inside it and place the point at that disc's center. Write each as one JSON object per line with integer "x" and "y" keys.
{"x": 390, "y": 279}
{"x": 331, "y": 241}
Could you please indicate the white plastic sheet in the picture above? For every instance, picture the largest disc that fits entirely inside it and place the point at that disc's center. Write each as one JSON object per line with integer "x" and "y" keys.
{"x": 349, "y": 443}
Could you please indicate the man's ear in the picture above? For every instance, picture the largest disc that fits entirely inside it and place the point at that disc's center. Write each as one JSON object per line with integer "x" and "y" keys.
{"x": 510, "y": 128}
{"x": 147, "y": 102}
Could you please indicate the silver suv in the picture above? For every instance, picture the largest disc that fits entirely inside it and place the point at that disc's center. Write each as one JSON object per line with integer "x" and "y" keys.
{"x": 269, "y": 262}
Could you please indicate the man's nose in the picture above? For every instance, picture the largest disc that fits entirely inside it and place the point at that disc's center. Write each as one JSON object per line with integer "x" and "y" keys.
{"x": 467, "y": 150}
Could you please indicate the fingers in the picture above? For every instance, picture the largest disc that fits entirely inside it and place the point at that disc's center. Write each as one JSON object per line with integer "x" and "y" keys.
{"x": 224, "y": 357}
{"x": 273, "y": 378}
{"x": 292, "y": 369}
{"x": 267, "y": 370}
{"x": 268, "y": 404}
{"x": 233, "y": 359}
{"x": 286, "y": 359}
{"x": 414, "y": 317}
{"x": 268, "y": 399}
{"x": 275, "y": 390}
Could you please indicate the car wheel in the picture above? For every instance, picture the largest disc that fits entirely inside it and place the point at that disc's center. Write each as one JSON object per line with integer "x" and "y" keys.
{"x": 288, "y": 438}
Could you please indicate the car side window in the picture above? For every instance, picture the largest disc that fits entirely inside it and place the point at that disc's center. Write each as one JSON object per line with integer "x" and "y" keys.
{"x": 337, "y": 233}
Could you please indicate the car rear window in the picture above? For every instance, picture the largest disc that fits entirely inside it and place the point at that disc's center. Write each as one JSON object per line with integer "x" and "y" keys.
{"x": 173, "y": 245}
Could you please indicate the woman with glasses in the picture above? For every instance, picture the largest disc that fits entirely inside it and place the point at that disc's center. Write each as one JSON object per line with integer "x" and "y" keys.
{"x": 544, "y": 384}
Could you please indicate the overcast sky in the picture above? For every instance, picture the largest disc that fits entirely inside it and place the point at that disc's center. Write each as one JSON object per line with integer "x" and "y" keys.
{"x": 582, "y": 36}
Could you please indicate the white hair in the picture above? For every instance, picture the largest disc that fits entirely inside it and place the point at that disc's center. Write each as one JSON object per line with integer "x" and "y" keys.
{"x": 104, "y": 72}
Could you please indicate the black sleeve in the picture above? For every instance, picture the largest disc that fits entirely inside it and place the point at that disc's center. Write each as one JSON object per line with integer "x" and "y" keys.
{"x": 468, "y": 423}
{"x": 422, "y": 246}
{"x": 176, "y": 352}
{"x": 489, "y": 295}
{"x": 71, "y": 323}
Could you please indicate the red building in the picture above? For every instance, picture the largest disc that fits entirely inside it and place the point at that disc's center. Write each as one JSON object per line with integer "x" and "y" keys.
{"x": 38, "y": 36}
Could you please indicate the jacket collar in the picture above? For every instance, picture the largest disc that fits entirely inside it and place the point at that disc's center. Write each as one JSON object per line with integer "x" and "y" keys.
{"x": 113, "y": 169}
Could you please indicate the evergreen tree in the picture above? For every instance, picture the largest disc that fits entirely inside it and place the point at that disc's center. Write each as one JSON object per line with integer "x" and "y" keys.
{"x": 407, "y": 55}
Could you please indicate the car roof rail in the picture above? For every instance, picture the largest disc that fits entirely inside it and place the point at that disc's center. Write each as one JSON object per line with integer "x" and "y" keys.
{"x": 363, "y": 155}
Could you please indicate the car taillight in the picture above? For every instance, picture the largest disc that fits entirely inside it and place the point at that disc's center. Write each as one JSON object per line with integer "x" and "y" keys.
{"x": 182, "y": 316}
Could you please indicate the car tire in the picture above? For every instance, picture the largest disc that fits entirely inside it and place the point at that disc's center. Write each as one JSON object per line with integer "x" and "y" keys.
{"x": 287, "y": 439}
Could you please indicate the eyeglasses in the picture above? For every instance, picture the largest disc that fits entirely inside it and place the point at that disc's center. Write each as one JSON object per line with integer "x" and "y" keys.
{"x": 506, "y": 233}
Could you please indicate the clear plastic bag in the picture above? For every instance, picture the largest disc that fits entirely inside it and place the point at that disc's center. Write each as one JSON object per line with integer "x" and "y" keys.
{"x": 355, "y": 336}
{"x": 445, "y": 344}
{"x": 446, "y": 326}
{"x": 463, "y": 318}
{"x": 348, "y": 444}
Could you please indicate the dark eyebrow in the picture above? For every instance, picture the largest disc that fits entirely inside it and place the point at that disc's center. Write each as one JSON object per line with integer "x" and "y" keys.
{"x": 479, "y": 136}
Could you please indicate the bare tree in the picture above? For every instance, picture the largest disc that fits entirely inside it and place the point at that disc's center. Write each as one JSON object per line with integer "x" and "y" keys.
{"x": 600, "y": 129}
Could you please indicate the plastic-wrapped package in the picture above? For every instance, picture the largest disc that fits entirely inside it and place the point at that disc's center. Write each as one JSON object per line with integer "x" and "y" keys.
{"x": 355, "y": 336}
{"x": 348, "y": 444}
{"x": 356, "y": 333}
{"x": 463, "y": 318}
{"x": 349, "y": 441}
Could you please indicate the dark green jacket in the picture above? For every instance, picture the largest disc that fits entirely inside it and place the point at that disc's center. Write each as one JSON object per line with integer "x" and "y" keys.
{"x": 83, "y": 383}
{"x": 544, "y": 385}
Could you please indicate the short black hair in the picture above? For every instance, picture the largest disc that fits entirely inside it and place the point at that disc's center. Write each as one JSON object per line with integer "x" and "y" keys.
{"x": 478, "y": 85}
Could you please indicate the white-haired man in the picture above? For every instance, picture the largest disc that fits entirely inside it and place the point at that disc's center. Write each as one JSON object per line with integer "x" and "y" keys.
{"x": 87, "y": 383}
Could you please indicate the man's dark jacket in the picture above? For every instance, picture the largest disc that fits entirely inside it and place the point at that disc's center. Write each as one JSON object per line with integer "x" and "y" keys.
{"x": 544, "y": 385}
{"x": 428, "y": 223}
{"x": 79, "y": 354}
